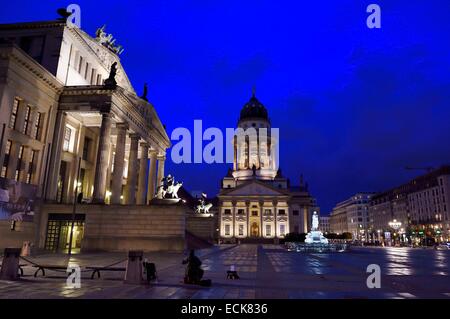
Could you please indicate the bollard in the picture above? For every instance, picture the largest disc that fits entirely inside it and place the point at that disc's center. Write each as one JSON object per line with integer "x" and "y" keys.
{"x": 26, "y": 249}
{"x": 10, "y": 264}
{"x": 133, "y": 274}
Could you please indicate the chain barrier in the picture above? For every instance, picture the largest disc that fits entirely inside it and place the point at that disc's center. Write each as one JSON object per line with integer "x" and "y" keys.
{"x": 63, "y": 271}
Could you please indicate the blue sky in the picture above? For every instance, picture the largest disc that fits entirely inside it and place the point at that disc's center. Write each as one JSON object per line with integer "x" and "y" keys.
{"x": 354, "y": 105}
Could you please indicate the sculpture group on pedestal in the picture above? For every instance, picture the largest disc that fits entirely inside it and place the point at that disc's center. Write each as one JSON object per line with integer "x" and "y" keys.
{"x": 167, "y": 187}
{"x": 203, "y": 207}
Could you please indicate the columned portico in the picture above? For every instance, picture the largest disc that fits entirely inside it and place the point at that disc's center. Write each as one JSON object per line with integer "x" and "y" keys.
{"x": 132, "y": 169}
{"x": 102, "y": 159}
{"x": 143, "y": 168}
{"x": 151, "y": 176}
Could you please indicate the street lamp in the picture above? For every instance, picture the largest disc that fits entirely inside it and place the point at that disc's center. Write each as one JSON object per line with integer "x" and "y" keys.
{"x": 395, "y": 225}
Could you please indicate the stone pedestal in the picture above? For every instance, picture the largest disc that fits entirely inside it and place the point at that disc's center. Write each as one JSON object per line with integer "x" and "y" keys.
{"x": 10, "y": 264}
{"x": 133, "y": 275}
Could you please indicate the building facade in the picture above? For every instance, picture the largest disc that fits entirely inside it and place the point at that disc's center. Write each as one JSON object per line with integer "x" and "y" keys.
{"x": 72, "y": 126}
{"x": 419, "y": 206}
{"x": 352, "y": 216}
{"x": 324, "y": 224}
{"x": 256, "y": 200}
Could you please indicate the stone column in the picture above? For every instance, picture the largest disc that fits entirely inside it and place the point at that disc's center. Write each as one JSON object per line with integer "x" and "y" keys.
{"x": 143, "y": 168}
{"x": 275, "y": 214}
{"x": 119, "y": 162}
{"x": 55, "y": 156}
{"x": 161, "y": 160}
{"x": 132, "y": 169}
{"x": 151, "y": 176}
{"x": 102, "y": 159}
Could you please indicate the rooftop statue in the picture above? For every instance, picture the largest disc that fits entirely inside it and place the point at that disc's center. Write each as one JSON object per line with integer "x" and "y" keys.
{"x": 111, "y": 80}
{"x": 108, "y": 40}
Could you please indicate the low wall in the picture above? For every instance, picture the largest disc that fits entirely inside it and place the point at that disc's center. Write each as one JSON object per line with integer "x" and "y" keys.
{"x": 24, "y": 231}
{"x": 202, "y": 226}
{"x": 129, "y": 227}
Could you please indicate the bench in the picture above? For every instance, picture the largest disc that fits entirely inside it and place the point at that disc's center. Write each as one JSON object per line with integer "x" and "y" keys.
{"x": 97, "y": 270}
{"x": 49, "y": 267}
{"x": 20, "y": 268}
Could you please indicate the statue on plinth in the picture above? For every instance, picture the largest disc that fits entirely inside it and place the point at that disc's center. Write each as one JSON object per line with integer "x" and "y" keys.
{"x": 168, "y": 186}
{"x": 203, "y": 207}
{"x": 315, "y": 236}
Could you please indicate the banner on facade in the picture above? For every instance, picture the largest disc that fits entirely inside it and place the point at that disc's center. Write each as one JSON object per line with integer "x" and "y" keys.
{"x": 17, "y": 200}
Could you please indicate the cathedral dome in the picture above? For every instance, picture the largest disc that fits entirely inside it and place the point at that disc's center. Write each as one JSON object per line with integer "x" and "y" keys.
{"x": 254, "y": 109}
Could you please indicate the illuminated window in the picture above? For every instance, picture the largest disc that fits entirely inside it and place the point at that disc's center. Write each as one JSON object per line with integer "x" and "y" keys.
{"x": 67, "y": 137}
{"x": 267, "y": 212}
{"x": 13, "y": 118}
{"x": 26, "y": 121}
{"x": 6, "y": 159}
{"x": 282, "y": 230}
{"x": 227, "y": 230}
{"x": 268, "y": 230}
{"x": 19, "y": 163}
{"x": 241, "y": 230}
{"x": 37, "y": 126}
{"x": 31, "y": 166}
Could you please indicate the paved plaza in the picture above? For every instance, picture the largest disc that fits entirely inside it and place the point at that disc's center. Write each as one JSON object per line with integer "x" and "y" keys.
{"x": 266, "y": 271}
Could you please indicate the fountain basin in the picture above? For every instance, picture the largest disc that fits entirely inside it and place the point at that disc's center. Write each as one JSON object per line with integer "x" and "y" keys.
{"x": 317, "y": 247}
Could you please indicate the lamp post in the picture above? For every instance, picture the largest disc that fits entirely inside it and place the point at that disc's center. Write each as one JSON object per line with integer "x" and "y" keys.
{"x": 395, "y": 225}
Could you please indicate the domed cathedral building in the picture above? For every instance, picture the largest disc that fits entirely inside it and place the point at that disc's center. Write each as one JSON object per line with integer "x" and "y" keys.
{"x": 256, "y": 201}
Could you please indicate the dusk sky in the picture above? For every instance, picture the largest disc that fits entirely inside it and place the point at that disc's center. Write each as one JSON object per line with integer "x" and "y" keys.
{"x": 354, "y": 105}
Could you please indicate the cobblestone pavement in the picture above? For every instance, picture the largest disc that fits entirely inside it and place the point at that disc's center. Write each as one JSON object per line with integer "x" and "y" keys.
{"x": 266, "y": 271}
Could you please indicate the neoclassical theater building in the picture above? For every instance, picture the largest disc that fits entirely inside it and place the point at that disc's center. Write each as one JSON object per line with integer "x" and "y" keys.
{"x": 73, "y": 127}
{"x": 256, "y": 201}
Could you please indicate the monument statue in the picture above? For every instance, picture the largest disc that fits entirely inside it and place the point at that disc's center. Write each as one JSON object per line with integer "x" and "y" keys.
{"x": 144, "y": 94}
{"x": 168, "y": 186}
{"x": 203, "y": 207}
{"x": 315, "y": 221}
{"x": 315, "y": 236}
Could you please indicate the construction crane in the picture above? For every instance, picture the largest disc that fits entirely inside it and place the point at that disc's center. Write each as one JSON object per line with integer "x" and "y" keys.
{"x": 428, "y": 168}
